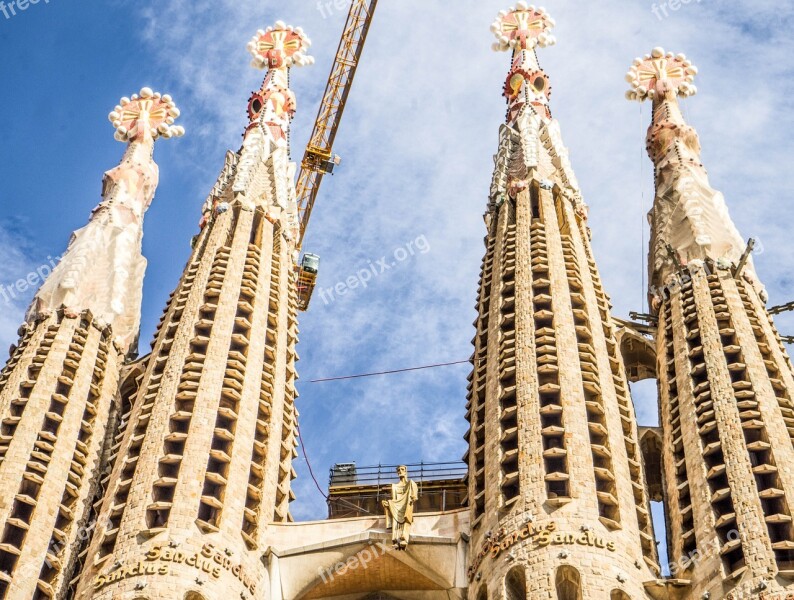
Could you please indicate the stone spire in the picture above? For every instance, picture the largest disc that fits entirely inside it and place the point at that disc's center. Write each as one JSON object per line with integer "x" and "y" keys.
{"x": 103, "y": 268}
{"x": 688, "y": 215}
{"x": 556, "y": 488}
{"x": 58, "y": 390}
{"x": 266, "y": 138}
{"x": 725, "y": 382}
{"x": 203, "y": 457}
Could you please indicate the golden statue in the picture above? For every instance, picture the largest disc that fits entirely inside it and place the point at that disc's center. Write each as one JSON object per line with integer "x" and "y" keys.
{"x": 400, "y": 509}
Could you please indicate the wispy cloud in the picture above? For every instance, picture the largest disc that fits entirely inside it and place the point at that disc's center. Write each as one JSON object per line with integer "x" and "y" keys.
{"x": 16, "y": 263}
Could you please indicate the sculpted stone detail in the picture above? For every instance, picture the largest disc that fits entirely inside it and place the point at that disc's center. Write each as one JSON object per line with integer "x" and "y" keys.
{"x": 688, "y": 214}
{"x": 103, "y": 268}
{"x": 400, "y": 509}
{"x": 263, "y": 169}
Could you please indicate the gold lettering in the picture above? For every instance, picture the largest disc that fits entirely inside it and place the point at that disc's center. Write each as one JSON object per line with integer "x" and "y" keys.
{"x": 207, "y": 550}
{"x": 153, "y": 554}
{"x": 544, "y": 538}
{"x": 163, "y": 570}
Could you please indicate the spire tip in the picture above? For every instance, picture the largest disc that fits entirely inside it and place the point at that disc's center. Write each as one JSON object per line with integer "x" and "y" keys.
{"x": 660, "y": 74}
{"x": 280, "y": 46}
{"x": 523, "y": 27}
{"x": 147, "y": 113}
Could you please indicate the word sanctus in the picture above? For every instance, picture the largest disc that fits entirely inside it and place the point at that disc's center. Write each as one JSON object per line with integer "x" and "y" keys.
{"x": 542, "y": 537}
{"x": 209, "y": 560}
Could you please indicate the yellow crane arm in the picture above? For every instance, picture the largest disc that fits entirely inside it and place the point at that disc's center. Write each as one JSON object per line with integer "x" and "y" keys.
{"x": 318, "y": 159}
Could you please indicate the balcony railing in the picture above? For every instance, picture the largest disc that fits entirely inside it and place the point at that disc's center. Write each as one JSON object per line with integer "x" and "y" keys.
{"x": 359, "y": 491}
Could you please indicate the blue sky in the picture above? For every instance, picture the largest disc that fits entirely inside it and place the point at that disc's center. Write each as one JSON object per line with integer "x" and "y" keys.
{"x": 417, "y": 144}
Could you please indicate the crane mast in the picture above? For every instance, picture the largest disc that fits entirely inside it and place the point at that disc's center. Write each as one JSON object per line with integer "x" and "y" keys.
{"x": 319, "y": 158}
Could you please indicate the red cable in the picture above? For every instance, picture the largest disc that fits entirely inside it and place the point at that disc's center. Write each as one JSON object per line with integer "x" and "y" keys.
{"x": 449, "y": 364}
{"x": 308, "y": 464}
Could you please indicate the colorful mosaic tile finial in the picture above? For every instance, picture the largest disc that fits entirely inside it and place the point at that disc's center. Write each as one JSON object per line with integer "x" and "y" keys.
{"x": 660, "y": 73}
{"x": 280, "y": 46}
{"x": 146, "y": 113}
{"x": 523, "y": 27}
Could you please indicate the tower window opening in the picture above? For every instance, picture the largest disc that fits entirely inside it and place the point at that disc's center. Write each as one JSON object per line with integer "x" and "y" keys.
{"x": 568, "y": 583}
{"x": 516, "y": 584}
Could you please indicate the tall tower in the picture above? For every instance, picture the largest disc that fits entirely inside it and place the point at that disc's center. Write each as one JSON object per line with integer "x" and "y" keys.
{"x": 57, "y": 390}
{"x": 725, "y": 380}
{"x": 556, "y": 484}
{"x": 203, "y": 456}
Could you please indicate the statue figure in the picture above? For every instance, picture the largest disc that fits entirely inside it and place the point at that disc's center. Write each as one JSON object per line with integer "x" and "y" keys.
{"x": 400, "y": 509}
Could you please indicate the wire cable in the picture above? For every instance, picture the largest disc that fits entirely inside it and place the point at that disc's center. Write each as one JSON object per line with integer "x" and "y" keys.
{"x": 308, "y": 464}
{"x": 392, "y": 372}
{"x": 317, "y": 483}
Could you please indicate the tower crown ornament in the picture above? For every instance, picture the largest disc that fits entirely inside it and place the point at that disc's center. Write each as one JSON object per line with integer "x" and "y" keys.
{"x": 146, "y": 114}
{"x": 280, "y": 46}
{"x": 523, "y": 27}
{"x": 660, "y": 74}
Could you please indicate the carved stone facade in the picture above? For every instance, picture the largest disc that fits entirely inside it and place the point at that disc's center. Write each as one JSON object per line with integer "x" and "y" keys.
{"x": 202, "y": 462}
{"x": 725, "y": 379}
{"x": 169, "y": 477}
{"x": 556, "y": 485}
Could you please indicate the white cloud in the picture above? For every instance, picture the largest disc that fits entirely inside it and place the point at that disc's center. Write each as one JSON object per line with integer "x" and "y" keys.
{"x": 417, "y": 141}
{"x": 15, "y": 266}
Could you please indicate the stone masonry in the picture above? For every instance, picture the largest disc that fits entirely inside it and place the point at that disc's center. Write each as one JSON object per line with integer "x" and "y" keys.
{"x": 725, "y": 379}
{"x": 556, "y": 487}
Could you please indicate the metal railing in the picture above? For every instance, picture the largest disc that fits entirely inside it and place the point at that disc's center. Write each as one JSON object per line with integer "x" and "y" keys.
{"x": 386, "y": 474}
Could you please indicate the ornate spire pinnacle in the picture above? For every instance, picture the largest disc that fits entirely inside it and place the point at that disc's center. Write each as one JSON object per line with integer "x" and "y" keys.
{"x": 521, "y": 29}
{"x": 103, "y": 268}
{"x": 688, "y": 215}
{"x": 270, "y": 112}
{"x": 661, "y": 75}
{"x": 148, "y": 114}
{"x": 277, "y": 49}
{"x": 281, "y": 46}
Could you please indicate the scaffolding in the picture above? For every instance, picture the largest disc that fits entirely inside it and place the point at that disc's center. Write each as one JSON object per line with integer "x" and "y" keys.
{"x": 359, "y": 491}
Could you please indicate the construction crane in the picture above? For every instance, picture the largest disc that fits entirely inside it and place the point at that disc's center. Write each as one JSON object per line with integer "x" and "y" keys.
{"x": 319, "y": 158}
